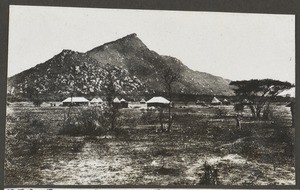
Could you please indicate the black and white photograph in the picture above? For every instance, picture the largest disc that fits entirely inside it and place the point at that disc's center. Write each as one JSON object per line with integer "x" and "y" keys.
{"x": 135, "y": 97}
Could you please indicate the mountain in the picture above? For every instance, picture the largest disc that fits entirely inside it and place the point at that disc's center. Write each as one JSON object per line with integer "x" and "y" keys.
{"x": 131, "y": 53}
{"x": 136, "y": 71}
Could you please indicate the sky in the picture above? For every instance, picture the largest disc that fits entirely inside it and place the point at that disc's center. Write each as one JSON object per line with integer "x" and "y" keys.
{"x": 235, "y": 46}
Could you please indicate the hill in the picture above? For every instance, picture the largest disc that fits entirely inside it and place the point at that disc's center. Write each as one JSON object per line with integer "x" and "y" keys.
{"x": 136, "y": 70}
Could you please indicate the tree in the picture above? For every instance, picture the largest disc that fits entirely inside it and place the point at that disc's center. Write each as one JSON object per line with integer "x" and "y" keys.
{"x": 110, "y": 90}
{"x": 170, "y": 76}
{"x": 33, "y": 94}
{"x": 37, "y": 101}
{"x": 239, "y": 108}
{"x": 259, "y": 92}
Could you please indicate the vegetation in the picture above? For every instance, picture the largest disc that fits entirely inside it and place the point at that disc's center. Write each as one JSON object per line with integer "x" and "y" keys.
{"x": 210, "y": 176}
{"x": 88, "y": 121}
{"x": 239, "y": 108}
{"x": 170, "y": 75}
{"x": 260, "y": 93}
{"x": 54, "y": 78}
{"x": 138, "y": 154}
{"x": 112, "y": 110}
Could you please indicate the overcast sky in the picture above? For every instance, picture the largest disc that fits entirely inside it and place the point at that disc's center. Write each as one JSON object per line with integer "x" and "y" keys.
{"x": 231, "y": 45}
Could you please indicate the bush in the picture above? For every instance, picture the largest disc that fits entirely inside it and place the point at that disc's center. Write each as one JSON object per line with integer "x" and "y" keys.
{"x": 91, "y": 121}
{"x": 239, "y": 108}
{"x": 210, "y": 175}
{"x": 281, "y": 134}
{"x": 249, "y": 148}
{"x": 37, "y": 102}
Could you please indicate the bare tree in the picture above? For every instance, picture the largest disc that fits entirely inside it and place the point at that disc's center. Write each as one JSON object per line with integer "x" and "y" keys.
{"x": 72, "y": 83}
{"x": 110, "y": 90}
{"x": 170, "y": 76}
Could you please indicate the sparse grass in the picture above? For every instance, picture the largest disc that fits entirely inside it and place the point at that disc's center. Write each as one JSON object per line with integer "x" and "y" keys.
{"x": 135, "y": 149}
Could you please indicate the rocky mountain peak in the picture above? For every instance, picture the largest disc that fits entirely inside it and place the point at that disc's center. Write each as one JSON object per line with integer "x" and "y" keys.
{"x": 138, "y": 69}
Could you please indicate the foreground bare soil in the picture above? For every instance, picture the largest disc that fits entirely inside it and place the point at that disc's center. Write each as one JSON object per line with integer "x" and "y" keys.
{"x": 255, "y": 155}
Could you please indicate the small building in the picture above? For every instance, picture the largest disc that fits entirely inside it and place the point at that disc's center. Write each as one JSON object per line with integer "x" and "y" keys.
{"x": 215, "y": 101}
{"x": 124, "y": 103}
{"x": 143, "y": 101}
{"x": 76, "y": 101}
{"x": 158, "y": 101}
{"x": 226, "y": 102}
{"x": 96, "y": 101}
{"x": 116, "y": 102}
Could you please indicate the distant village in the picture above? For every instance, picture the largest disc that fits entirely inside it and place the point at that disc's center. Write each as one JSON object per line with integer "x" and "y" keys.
{"x": 154, "y": 102}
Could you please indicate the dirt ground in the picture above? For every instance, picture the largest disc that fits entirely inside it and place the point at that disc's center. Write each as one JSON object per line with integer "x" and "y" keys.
{"x": 251, "y": 156}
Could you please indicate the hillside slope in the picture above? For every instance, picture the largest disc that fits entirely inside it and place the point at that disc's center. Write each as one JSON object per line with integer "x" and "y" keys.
{"x": 137, "y": 72}
{"x": 131, "y": 53}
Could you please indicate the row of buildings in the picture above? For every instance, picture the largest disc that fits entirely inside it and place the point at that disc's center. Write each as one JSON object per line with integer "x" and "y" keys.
{"x": 157, "y": 101}
{"x": 81, "y": 101}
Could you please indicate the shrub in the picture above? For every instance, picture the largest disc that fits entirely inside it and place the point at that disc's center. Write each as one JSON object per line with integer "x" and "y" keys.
{"x": 148, "y": 117}
{"x": 239, "y": 108}
{"x": 210, "y": 175}
{"x": 249, "y": 148}
{"x": 221, "y": 112}
{"x": 37, "y": 102}
{"x": 91, "y": 121}
{"x": 281, "y": 133}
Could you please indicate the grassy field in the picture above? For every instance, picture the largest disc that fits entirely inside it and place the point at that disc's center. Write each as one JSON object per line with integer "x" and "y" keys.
{"x": 260, "y": 153}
